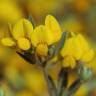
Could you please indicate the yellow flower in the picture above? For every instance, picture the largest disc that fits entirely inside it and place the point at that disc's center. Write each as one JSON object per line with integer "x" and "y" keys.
{"x": 21, "y": 33}
{"x": 40, "y": 39}
{"x": 88, "y": 56}
{"x": 81, "y": 5}
{"x": 52, "y": 25}
{"x": 43, "y": 36}
{"x": 72, "y": 24}
{"x": 69, "y": 61}
{"x": 23, "y": 28}
{"x": 78, "y": 48}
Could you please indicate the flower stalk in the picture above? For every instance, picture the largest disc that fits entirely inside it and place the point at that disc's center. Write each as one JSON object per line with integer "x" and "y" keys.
{"x": 41, "y": 44}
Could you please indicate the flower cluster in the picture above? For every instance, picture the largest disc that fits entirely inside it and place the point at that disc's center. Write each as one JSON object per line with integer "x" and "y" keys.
{"x": 25, "y": 37}
{"x": 47, "y": 44}
{"x": 76, "y": 48}
{"x": 58, "y": 55}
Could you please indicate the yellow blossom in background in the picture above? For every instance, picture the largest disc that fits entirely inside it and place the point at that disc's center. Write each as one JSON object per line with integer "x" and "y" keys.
{"x": 24, "y": 93}
{"x": 5, "y": 54}
{"x": 77, "y": 48}
{"x": 9, "y": 12}
{"x": 72, "y": 24}
{"x": 35, "y": 81}
{"x": 43, "y": 36}
{"x": 40, "y": 8}
{"x": 81, "y": 5}
{"x": 82, "y": 91}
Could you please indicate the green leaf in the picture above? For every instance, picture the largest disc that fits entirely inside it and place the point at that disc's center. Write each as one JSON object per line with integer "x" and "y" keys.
{"x": 53, "y": 87}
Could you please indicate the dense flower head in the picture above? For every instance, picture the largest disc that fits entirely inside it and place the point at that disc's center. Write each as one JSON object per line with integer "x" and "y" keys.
{"x": 45, "y": 35}
{"x": 78, "y": 48}
{"x": 47, "y": 46}
{"x": 9, "y": 12}
{"x": 23, "y": 35}
{"x": 41, "y": 37}
{"x": 40, "y": 57}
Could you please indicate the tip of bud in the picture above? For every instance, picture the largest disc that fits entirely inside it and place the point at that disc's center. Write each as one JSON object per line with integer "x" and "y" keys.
{"x": 42, "y": 50}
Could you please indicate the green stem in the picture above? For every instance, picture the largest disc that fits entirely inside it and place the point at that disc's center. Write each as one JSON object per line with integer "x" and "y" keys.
{"x": 50, "y": 87}
{"x": 63, "y": 80}
{"x": 46, "y": 76}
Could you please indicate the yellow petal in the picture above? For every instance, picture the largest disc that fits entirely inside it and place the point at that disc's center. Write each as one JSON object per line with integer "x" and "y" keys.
{"x": 69, "y": 61}
{"x": 72, "y": 48}
{"x": 72, "y": 24}
{"x": 68, "y": 48}
{"x": 75, "y": 46}
{"x": 52, "y": 25}
{"x": 41, "y": 35}
{"x": 28, "y": 28}
{"x": 83, "y": 42}
{"x": 8, "y": 42}
{"x": 22, "y": 28}
{"x": 23, "y": 43}
{"x": 88, "y": 56}
{"x": 71, "y": 78}
{"x": 54, "y": 59}
{"x": 65, "y": 65}
{"x": 82, "y": 91}
{"x": 81, "y": 45}
{"x": 42, "y": 50}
